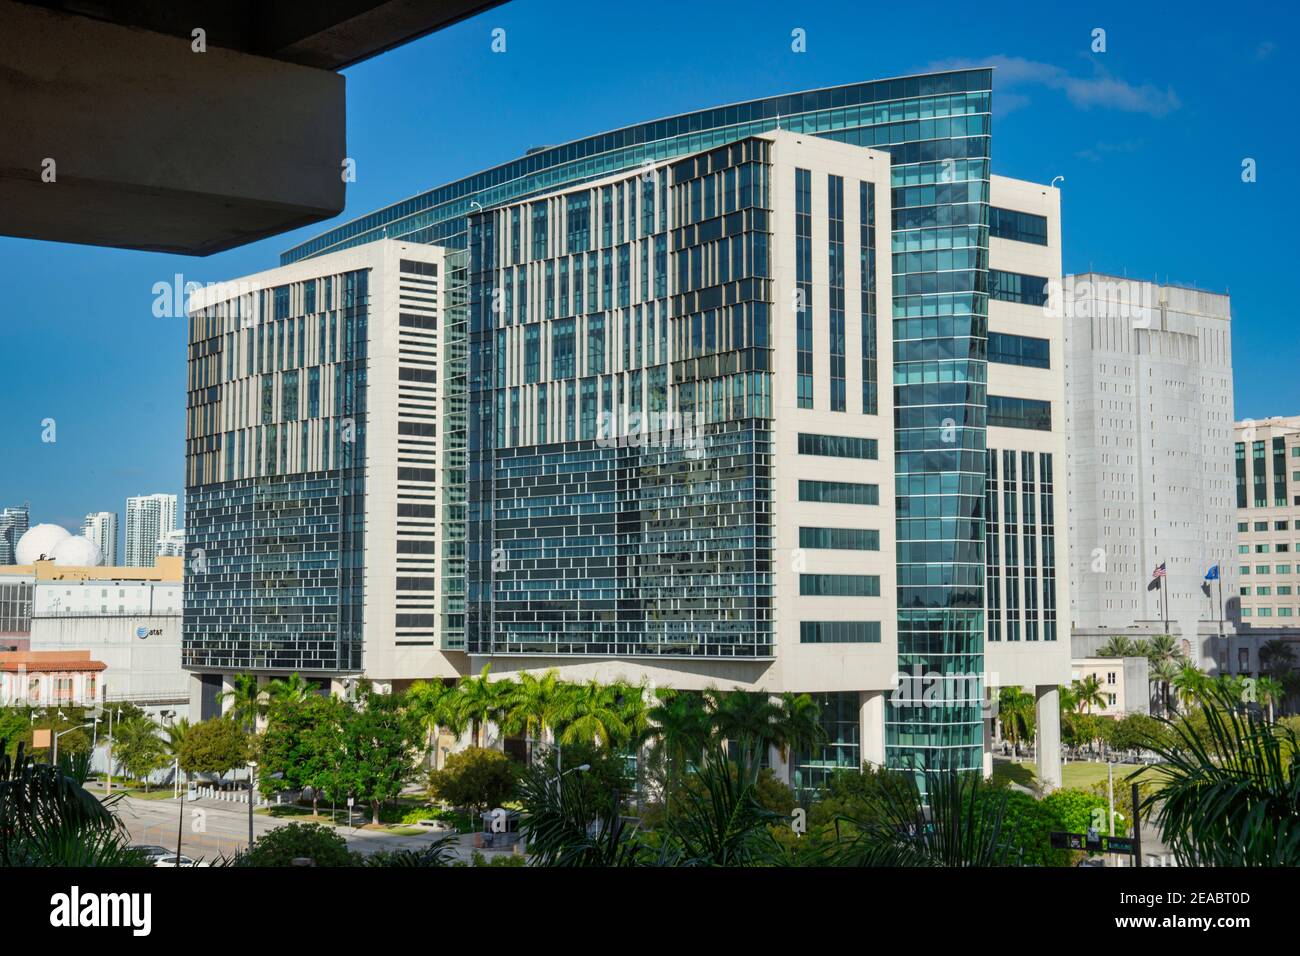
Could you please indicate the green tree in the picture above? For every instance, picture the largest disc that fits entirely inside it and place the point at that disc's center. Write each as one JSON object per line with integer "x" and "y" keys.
{"x": 477, "y": 777}
{"x": 1136, "y": 731}
{"x": 530, "y": 706}
{"x": 313, "y": 841}
{"x": 1164, "y": 673}
{"x": 591, "y": 712}
{"x": 1276, "y": 657}
{"x": 215, "y": 746}
{"x": 1190, "y": 683}
{"x": 432, "y": 704}
{"x": 380, "y": 738}
{"x": 48, "y": 818}
{"x": 683, "y": 725}
{"x": 1228, "y": 790}
{"x": 247, "y": 701}
{"x": 1087, "y": 693}
{"x": 295, "y": 689}
{"x": 301, "y": 745}
{"x": 138, "y": 750}
{"x": 480, "y": 701}
{"x": 739, "y": 715}
{"x": 1016, "y": 709}
{"x": 799, "y": 724}
{"x": 1118, "y": 646}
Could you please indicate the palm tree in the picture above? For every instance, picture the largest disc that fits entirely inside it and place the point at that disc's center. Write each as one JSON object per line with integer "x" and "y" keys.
{"x": 1276, "y": 657}
{"x": 1016, "y": 708}
{"x": 429, "y": 702}
{"x": 799, "y": 726}
{"x": 1270, "y": 692}
{"x": 530, "y": 706}
{"x": 739, "y": 715}
{"x": 480, "y": 700}
{"x": 1162, "y": 647}
{"x": 1165, "y": 673}
{"x": 683, "y": 724}
{"x": 1229, "y": 793}
{"x": 1087, "y": 692}
{"x": 293, "y": 690}
{"x": 173, "y": 738}
{"x": 1191, "y": 684}
{"x": 1117, "y": 646}
{"x": 246, "y": 701}
{"x": 633, "y": 711}
{"x": 48, "y": 818}
{"x": 590, "y": 712}
{"x": 956, "y": 821}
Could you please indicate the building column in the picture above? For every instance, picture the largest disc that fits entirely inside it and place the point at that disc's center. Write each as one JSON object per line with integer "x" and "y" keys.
{"x": 990, "y": 729}
{"x": 780, "y": 765}
{"x": 227, "y": 686}
{"x": 871, "y": 726}
{"x": 1048, "y": 718}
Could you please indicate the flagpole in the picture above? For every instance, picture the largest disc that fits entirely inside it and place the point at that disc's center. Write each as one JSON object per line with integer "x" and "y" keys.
{"x": 1219, "y": 578}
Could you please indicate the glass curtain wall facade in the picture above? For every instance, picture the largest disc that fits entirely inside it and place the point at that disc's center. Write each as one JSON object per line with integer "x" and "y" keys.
{"x": 937, "y": 130}
{"x": 275, "y": 512}
{"x": 619, "y": 428}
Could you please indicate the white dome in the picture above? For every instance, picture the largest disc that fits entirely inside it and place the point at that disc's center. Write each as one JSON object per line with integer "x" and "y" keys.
{"x": 77, "y": 552}
{"x": 39, "y": 541}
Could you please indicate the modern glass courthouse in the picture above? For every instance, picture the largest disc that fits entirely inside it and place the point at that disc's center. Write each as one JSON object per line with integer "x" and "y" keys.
{"x": 678, "y": 431}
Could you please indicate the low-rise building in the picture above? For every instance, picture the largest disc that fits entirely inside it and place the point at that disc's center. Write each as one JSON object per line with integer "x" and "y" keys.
{"x": 1124, "y": 681}
{"x": 127, "y": 618}
{"x": 49, "y": 678}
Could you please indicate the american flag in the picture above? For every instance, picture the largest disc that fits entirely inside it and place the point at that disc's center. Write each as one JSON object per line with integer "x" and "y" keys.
{"x": 1159, "y": 572}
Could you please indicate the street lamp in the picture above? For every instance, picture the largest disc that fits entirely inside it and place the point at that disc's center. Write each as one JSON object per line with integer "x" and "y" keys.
{"x": 252, "y": 781}
{"x": 54, "y": 760}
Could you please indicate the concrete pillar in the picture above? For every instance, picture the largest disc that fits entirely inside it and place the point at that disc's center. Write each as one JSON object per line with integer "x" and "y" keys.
{"x": 780, "y": 765}
{"x": 871, "y": 730}
{"x": 227, "y": 685}
{"x": 196, "y": 697}
{"x": 989, "y": 723}
{"x": 1049, "y": 734}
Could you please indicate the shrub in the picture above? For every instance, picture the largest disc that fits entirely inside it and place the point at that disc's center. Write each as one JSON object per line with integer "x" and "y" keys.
{"x": 476, "y": 777}
{"x": 1075, "y": 811}
{"x": 1026, "y": 831}
{"x": 281, "y": 846}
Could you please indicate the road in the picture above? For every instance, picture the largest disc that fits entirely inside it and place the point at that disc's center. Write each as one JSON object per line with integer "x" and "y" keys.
{"x": 212, "y": 828}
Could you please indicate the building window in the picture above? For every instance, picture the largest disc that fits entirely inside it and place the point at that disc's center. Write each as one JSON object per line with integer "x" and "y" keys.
{"x": 1017, "y": 226}
{"x": 803, "y": 285}
{"x": 839, "y": 492}
{"x": 835, "y": 268}
{"x": 838, "y": 446}
{"x": 1018, "y": 350}
{"x": 1028, "y": 413}
{"x": 1017, "y": 287}
{"x": 839, "y": 585}
{"x": 839, "y": 632}
{"x": 839, "y": 539}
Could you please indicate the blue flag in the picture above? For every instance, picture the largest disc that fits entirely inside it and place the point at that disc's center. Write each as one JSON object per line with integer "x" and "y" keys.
{"x": 1212, "y": 574}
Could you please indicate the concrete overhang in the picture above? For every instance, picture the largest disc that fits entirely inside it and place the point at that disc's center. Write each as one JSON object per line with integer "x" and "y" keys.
{"x": 122, "y": 129}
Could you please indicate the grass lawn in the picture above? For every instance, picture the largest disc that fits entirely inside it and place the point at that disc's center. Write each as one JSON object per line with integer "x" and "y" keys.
{"x": 1075, "y": 775}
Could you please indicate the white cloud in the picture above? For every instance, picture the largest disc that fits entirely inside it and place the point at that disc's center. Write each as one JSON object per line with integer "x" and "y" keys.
{"x": 1013, "y": 74}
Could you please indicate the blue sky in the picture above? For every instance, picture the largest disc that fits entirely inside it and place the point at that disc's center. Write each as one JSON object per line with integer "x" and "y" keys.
{"x": 1150, "y": 136}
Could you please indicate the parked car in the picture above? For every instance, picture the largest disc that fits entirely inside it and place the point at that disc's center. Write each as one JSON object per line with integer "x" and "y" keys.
{"x": 172, "y": 860}
{"x": 152, "y": 851}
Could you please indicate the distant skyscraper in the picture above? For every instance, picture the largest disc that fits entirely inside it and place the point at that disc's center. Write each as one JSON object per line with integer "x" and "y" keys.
{"x": 1268, "y": 523}
{"x": 172, "y": 544}
{"x": 148, "y": 518}
{"x": 13, "y": 525}
{"x": 101, "y": 528}
{"x": 1150, "y": 450}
